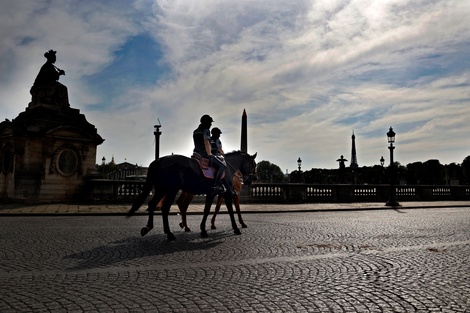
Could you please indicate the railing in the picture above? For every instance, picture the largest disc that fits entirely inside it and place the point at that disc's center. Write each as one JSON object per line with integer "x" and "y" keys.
{"x": 114, "y": 190}
{"x": 126, "y": 191}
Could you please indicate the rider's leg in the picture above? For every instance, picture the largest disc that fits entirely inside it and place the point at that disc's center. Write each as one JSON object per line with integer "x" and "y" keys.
{"x": 220, "y": 169}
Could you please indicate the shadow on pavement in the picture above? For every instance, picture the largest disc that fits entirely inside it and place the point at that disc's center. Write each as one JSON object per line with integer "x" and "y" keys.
{"x": 149, "y": 249}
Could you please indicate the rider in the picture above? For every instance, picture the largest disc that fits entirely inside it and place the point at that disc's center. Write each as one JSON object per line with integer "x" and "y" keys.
{"x": 201, "y": 137}
{"x": 217, "y": 151}
{"x": 216, "y": 144}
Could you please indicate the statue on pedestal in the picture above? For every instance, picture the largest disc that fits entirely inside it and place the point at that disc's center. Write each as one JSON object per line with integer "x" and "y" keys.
{"x": 342, "y": 168}
{"x": 46, "y": 88}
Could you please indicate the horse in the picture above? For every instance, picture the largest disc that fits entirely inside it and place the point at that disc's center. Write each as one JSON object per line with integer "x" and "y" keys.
{"x": 169, "y": 174}
{"x": 185, "y": 199}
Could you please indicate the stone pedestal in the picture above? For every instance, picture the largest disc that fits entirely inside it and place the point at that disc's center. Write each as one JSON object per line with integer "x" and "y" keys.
{"x": 46, "y": 152}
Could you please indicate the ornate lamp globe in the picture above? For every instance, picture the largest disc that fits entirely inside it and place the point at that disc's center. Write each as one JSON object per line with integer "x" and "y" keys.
{"x": 391, "y": 136}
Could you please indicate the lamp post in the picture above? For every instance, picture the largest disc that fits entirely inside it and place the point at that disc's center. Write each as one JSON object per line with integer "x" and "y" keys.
{"x": 382, "y": 162}
{"x": 299, "y": 163}
{"x": 391, "y": 139}
{"x": 157, "y": 134}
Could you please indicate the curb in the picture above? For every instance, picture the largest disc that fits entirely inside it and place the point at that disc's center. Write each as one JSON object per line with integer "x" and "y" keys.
{"x": 264, "y": 211}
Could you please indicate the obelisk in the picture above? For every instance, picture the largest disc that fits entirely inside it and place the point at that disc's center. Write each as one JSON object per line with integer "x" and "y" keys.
{"x": 244, "y": 139}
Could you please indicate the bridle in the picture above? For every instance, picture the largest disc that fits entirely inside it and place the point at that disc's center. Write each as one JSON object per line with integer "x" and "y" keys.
{"x": 246, "y": 179}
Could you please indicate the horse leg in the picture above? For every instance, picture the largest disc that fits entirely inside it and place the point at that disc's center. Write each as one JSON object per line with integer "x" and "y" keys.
{"x": 152, "y": 205}
{"x": 228, "y": 203}
{"x": 165, "y": 212}
{"x": 236, "y": 201}
{"x": 207, "y": 208}
{"x": 180, "y": 202}
{"x": 160, "y": 204}
{"x": 217, "y": 209}
{"x": 183, "y": 203}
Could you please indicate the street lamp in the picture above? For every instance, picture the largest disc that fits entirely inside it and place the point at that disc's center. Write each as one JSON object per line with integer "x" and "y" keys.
{"x": 299, "y": 163}
{"x": 157, "y": 134}
{"x": 391, "y": 140}
{"x": 382, "y": 162}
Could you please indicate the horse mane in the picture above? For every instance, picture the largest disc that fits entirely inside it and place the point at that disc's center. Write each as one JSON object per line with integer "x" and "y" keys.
{"x": 236, "y": 151}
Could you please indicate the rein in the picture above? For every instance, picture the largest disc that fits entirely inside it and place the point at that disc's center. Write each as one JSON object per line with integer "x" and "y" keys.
{"x": 231, "y": 166}
{"x": 242, "y": 178}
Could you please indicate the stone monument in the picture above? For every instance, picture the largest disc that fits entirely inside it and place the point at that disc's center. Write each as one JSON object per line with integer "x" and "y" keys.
{"x": 48, "y": 151}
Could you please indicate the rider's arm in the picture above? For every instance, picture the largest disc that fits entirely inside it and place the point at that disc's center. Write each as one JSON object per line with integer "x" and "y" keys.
{"x": 207, "y": 145}
{"x": 219, "y": 146}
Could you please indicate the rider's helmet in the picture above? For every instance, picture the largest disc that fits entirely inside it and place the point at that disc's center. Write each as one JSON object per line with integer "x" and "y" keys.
{"x": 206, "y": 120}
{"x": 216, "y": 131}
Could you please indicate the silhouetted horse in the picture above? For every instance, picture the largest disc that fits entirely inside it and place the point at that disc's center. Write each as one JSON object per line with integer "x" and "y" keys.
{"x": 170, "y": 174}
{"x": 185, "y": 199}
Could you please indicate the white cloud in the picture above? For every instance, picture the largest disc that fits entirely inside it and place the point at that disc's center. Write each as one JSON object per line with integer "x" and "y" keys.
{"x": 307, "y": 72}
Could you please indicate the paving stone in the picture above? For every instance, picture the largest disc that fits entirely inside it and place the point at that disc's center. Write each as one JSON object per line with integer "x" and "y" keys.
{"x": 356, "y": 261}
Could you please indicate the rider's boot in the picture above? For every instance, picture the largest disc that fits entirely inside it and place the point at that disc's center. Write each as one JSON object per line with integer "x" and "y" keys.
{"x": 218, "y": 187}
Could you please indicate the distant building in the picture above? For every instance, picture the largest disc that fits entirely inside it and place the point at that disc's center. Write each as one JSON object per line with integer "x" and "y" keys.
{"x": 128, "y": 171}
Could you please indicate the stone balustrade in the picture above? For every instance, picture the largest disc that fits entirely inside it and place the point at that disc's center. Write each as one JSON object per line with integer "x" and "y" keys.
{"x": 126, "y": 191}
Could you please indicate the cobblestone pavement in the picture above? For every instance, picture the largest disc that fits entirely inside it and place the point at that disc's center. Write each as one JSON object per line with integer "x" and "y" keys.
{"x": 198, "y": 207}
{"x": 352, "y": 261}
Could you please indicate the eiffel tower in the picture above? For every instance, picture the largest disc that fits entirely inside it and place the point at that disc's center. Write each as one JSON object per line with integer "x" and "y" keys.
{"x": 354, "y": 164}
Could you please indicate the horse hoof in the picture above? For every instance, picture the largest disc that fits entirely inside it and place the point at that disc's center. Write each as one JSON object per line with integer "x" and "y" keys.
{"x": 181, "y": 225}
{"x": 144, "y": 231}
{"x": 213, "y": 227}
{"x": 244, "y": 226}
{"x": 204, "y": 234}
{"x": 237, "y": 231}
{"x": 187, "y": 229}
{"x": 171, "y": 237}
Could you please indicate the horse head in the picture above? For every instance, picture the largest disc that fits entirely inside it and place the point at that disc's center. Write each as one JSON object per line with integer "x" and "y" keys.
{"x": 244, "y": 162}
{"x": 249, "y": 170}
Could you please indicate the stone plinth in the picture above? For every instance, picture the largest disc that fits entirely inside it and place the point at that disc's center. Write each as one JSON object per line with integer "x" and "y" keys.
{"x": 45, "y": 153}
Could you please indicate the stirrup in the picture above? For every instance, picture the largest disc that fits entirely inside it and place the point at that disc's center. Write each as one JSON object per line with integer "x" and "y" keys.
{"x": 216, "y": 190}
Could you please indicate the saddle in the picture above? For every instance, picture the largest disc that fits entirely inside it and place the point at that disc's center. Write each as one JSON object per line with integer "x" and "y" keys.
{"x": 207, "y": 171}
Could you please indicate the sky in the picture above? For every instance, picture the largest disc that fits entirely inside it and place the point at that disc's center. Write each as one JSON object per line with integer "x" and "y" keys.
{"x": 308, "y": 74}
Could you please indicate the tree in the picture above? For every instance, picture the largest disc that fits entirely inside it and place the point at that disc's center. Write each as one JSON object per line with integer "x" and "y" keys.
{"x": 269, "y": 173}
{"x": 433, "y": 172}
{"x": 453, "y": 172}
{"x": 414, "y": 173}
{"x": 105, "y": 169}
{"x": 372, "y": 175}
{"x": 466, "y": 169}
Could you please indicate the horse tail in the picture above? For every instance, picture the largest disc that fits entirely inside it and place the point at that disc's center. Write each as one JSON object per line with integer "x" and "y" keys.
{"x": 147, "y": 188}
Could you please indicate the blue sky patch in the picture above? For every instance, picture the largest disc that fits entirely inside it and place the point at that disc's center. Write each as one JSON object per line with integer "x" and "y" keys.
{"x": 137, "y": 64}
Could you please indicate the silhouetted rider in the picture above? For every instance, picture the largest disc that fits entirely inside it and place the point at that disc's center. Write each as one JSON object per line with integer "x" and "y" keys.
{"x": 202, "y": 146}
{"x": 216, "y": 144}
